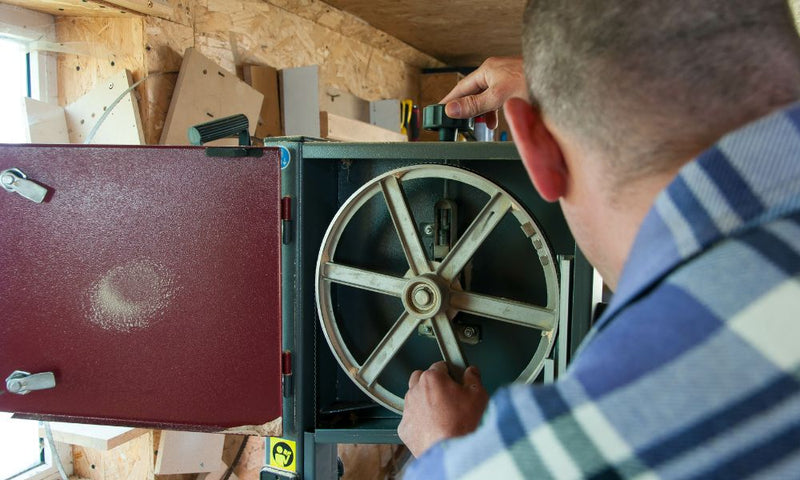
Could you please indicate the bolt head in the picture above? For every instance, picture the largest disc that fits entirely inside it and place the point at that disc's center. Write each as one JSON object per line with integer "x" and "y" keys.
{"x": 422, "y": 297}
{"x": 428, "y": 230}
{"x": 8, "y": 179}
{"x": 470, "y": 332}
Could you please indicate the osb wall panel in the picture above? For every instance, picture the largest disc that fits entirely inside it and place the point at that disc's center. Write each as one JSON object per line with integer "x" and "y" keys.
{"x": 174, "y": 10}
{"x": 165, "y": 43}
{"x": 104, "y": 46}
{"x": 232, "y": 32}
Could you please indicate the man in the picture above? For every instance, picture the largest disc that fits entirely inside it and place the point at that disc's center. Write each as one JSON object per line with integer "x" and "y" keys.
{"x": 666, "y": 130}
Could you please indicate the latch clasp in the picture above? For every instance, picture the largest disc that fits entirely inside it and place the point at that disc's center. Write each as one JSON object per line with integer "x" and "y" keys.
{"x": 23, "y": 383}
{"x": 14, "y": 180}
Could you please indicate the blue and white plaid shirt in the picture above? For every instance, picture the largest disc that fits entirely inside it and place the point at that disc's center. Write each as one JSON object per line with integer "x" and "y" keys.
{"x": 694, "y": 369}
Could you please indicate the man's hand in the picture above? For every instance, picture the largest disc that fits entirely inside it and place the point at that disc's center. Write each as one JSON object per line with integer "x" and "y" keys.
{"x": 486, "y": 89}
{"x": 436, "y": 407}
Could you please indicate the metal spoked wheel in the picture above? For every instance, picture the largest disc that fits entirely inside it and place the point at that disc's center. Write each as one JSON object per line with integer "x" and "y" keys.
{"x": 431, "y": 292}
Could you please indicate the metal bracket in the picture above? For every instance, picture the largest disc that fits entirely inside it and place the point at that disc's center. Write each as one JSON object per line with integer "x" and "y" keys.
{"x": 14, "y": 180}
{"x": 22, "y": 383}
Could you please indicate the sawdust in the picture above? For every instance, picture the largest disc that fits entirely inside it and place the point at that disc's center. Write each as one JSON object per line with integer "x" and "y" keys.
{"x": 130, "y": 296}
{"x": 272, "y": 428}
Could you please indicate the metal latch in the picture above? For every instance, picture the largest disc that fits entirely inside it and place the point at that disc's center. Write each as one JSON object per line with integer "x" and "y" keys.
{"x": 23, "y": 383}
{"x": 13, "y": 180}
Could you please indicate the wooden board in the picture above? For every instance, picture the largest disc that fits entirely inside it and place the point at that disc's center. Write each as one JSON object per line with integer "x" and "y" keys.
{"x": 265, "y": 80}
{"x": 122, "y": 126}
{"x": 204, "y": 92}
{"x": 46, "y": 122}
{"x": 344, "y": 104}
{"x": 131, "y": 460}
{"x": 169, "y": 9}
{"x": 97, "y": 437}
{"x": 189, "y": 452}
{"x": 334, "y": 127}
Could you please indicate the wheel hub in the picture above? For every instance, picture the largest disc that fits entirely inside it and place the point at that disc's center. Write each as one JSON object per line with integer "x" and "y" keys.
{"x": 423, "y": 296}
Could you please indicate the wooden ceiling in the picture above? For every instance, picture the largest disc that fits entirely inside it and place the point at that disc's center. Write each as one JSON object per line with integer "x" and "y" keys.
{"x": 458, "y": 32}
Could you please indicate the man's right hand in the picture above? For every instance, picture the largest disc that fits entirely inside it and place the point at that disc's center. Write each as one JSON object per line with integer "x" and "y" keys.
{"x": 486, "y": 89}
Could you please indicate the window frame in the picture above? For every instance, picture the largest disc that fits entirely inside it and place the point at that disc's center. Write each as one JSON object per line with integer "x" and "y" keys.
{"x": 35, "y": 27}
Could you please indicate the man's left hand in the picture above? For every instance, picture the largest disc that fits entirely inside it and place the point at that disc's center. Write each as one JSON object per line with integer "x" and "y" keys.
{"x": 436, "y": 407}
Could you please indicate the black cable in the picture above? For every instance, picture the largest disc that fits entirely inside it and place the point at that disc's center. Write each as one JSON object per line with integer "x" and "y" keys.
{"x": 236, "y": 459}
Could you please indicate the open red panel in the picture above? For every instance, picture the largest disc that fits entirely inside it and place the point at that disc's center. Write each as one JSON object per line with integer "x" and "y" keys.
{"x": 147, "y": 282}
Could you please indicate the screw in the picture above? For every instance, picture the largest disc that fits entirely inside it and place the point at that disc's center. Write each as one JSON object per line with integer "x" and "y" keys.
{"x": 470, "y": 332}
{"x": 427, "y": 329}
{"x": 14, "y": 386}
{"x": 111, "y": 86}
{"x": 8, "y": 179}
{"x": 428, "y": 229}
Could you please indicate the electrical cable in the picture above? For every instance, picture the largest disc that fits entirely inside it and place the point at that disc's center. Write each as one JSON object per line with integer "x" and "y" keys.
{"x": 236, "y": 459}
{"x": 54, "y": 451}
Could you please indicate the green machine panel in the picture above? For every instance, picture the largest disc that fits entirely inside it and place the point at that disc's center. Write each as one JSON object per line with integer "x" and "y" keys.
{"x": 395, "y": 256}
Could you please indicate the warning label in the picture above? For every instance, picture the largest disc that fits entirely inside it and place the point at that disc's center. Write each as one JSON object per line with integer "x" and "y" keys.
{"x": 282, "y": 454}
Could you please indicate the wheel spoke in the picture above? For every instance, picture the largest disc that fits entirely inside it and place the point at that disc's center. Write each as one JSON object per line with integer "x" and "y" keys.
{"x": 476, "y": 233}
{"x": 449, "y": 346}
{"x": 363, "y": 279}
{"x": 388, "y": 348}
{"x": 403, "y": 221}
{"x": 504, "y": 310}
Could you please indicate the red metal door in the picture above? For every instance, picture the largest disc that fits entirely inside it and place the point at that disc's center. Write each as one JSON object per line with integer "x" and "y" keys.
{"x": 148, "y": 282}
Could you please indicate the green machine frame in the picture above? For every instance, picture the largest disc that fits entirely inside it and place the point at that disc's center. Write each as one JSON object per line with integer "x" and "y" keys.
{"x": 321, "y": 409}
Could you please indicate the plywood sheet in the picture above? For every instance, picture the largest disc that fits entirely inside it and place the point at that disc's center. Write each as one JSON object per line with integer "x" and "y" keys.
{"x": 204, "y": 92}
{"x": 131, "y": 460}
{"x": 344, "y": 129}
{"x": 46, "y": 122}
{"x": 463, "y": 33}
{"x": 122, "y": 126}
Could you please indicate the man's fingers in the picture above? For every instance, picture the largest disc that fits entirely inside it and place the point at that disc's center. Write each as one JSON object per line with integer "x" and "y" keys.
{"x": 413, "y": 380}
{"x": 472, "y": 378}
{"x": 473, "y": 83}
{"x": 439, "y": 366}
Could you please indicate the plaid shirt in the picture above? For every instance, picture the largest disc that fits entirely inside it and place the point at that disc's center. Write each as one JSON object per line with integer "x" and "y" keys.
{"x": 694, "y": 369}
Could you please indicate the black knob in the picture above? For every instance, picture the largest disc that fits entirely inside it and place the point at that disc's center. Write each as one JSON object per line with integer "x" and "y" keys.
{"x": 434, "y": 118}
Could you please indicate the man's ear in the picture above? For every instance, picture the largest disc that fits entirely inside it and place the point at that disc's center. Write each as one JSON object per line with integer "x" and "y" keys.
{"x": 539, "y": 150}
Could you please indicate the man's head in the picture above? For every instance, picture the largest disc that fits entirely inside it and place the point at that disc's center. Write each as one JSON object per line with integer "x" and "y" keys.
{"x": 628, "y": 91}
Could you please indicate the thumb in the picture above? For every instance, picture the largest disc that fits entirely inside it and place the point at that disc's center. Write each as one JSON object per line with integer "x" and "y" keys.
{"x": 472, "y": 377}
{"x": 468, "y": 106}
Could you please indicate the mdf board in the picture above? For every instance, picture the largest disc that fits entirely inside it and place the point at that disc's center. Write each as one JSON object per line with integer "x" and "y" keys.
{"x": 46, "y": 122}
{"x": 265, "y": 80}
{"x": 189, "y": 452}
{"x": 122, "y": 126}
{"x": 300, "y": 100}
{"x": 205, "y": 92}
{"x": 144, "y": 282}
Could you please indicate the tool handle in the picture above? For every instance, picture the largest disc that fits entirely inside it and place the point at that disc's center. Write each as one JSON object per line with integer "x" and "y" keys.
{"x": 233, "y": 126}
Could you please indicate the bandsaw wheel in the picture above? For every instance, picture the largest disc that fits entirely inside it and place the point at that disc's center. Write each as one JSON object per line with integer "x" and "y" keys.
{"x": 432, "y": 293}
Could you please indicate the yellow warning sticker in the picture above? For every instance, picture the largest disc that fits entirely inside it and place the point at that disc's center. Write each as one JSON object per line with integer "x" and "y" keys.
{"x": 282, "y": 454}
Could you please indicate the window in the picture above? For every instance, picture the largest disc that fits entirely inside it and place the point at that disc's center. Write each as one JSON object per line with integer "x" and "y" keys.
{"x": 28, "y": 69}
{"x": 14, "y": 85}
{"x": 20, "y": 450}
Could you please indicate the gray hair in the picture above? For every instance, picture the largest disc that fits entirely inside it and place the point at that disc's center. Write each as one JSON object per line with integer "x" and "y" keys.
{"x": 650, "y": 82}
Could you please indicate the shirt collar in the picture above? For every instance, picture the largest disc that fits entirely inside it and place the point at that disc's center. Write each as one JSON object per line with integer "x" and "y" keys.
{"x": 750, "y": 176}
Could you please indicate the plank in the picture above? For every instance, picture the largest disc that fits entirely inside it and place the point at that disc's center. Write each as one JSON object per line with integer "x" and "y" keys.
{"x": 122, "y": 126}
{"x": 265, "y": 80}
{"x": 47, "y": 123}
{"x": 344, "y": 129}
{"x": 189, "y": 452}
{"x": 131, "y": 460}
{"x": 97, "y": 437}
{"x": 204, "y": 92}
